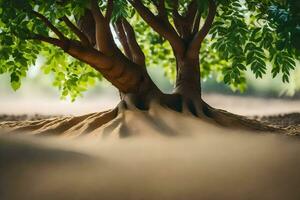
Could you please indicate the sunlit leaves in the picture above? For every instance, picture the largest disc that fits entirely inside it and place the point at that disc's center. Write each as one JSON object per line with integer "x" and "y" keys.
{"x": 18, "y": 53}
{"x": 246, "y": 35}
{"x": 284, "y": 63}
{"x": 121, "y": 9}
{"x": 71, "y": 76}
{"x": 15, "y": 81}
{"x": 157, "y": 50}
{"x": 256, "y": 59}
{"x": 250, "y": 40}
{"x": 229, "y": 36}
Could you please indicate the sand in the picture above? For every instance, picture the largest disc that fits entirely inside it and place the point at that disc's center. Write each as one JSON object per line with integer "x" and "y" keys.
{"x": 168, "y": 156}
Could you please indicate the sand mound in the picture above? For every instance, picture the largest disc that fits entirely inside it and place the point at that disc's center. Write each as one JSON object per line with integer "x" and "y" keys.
{"x": 121, "y": 122}
{"x": 158, "y": 121}
{"x": 172, "y": 157}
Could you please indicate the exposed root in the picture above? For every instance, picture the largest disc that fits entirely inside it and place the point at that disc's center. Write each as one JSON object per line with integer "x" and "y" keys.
{"x": 193, "y": 105}
{"x": 127, "y": 120}
{"x": 66, "y": 126}
{"x": 231, "y": 120}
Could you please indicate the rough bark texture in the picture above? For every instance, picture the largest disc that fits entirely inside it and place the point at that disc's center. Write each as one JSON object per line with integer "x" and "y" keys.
{"x": 188, "y": 76}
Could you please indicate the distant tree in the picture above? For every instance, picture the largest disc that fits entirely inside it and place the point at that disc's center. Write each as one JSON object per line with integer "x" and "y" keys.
{"x": 116, "y": 39}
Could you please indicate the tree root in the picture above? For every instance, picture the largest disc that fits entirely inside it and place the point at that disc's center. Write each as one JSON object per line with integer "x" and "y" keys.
{"x": 127, "y": 120}
{"x": 67, "y": 126}
{"x": 231, "y": 120}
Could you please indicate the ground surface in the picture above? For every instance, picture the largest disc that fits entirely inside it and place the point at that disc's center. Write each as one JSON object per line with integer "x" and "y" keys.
{"x": 38, "y": 104}
{"x": 172, "y": 157}
{"x": 277, "y": 112}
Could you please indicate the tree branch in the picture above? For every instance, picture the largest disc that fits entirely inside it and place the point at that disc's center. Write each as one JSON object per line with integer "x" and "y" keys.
{"x": 109, "y": 9}
{"x": 49, "y": 25}
{"x": 122, "y": 37}
{"x": 86, "y": 24}
{"x": 179, "y": 20}
{"x": 162, "y": 10}
{"x": 138, "y": 55}
{"x": 164, "y": 29}
{"x": 75, "y": 49}
{"x": 116, "y": 68}
{"x": 104, "y": 38}
{"x": 200, "y": 35}
{"x": 184, "y": 24}
{"x": 123, "y": 74}
{"x": 191, "y": 15}
{"x": 196, "y": 23}
{"x": 78, "y": 33}
{"x": 98, "y": 16}
{"x": 175, "y": 14}
{"x": 50, "y": 40}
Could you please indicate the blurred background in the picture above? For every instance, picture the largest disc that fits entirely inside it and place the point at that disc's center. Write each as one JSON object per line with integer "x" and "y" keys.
{"x": 37, "y": 95}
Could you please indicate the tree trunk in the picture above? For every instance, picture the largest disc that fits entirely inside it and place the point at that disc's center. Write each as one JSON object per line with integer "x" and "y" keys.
{"x": 188, "y": 76}
{"x": 186, "y": 99}
{"x": 188, "y": 84}
{"x": 146, "y": 93}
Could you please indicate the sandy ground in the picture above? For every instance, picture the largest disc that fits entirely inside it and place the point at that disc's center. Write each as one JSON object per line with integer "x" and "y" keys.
{"x": 53, "y": 106}
{"x": 203, "y": 162}
{"x": 279, "y": 112}
{"x": 172, "y": 157}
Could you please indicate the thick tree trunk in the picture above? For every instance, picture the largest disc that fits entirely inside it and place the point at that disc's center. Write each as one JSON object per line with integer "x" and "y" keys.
{"x": 188, "y": 84}
{"x": 186, "y": 99}
{"x": 188, "y": 76}
{"x": 146, "y": 93}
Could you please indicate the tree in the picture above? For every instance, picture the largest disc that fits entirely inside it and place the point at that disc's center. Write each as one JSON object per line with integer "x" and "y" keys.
{"x": 117, "y": 39}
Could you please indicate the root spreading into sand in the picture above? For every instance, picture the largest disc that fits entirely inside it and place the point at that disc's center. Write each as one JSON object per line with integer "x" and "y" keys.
{"x": 169, "y": 156}
{"x": 156, "y": 121}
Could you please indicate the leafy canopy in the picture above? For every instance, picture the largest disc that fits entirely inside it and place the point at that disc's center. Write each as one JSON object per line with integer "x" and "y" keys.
{"x": 246, "y": 34}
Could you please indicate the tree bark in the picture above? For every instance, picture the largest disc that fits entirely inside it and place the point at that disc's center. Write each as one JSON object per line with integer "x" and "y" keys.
{"x": 188, "y": 76}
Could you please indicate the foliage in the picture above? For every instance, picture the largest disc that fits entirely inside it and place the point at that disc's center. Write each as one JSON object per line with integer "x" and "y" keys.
{"x": 72, "y": 77}
{"x": 157, "y": 50}
{"x": 246, "y": 35}
{"x": 17, "y": 24}
{"x": 248, "y": 38}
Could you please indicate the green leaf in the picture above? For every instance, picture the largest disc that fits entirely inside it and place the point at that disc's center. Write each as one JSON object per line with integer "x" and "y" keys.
{"x": 15, "y": 81}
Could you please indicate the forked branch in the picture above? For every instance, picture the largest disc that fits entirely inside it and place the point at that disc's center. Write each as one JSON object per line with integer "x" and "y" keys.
{"x": 185, "y": 24}
{"x": 76, "y": 31}
{"x": 122, "y": 38}
{"x": 191, "y": 15}
{"x": 123, "y": 75}
{"x": 104, "y": 38}
{"x": 200, "y": 35}
{"x": 196, "y": 22}
{"x": 50, "y": 40}
{"x": 75, "y": 49}
{"x": 177, "y": 18}
{"x": 86, "y": 24}
{"x": 113, "y": 65}
{"x": 137, "y": 53}
{"x": 49, "y": 25}
{"x": 164, "y": 29}
{"x": 128, "y": 40}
